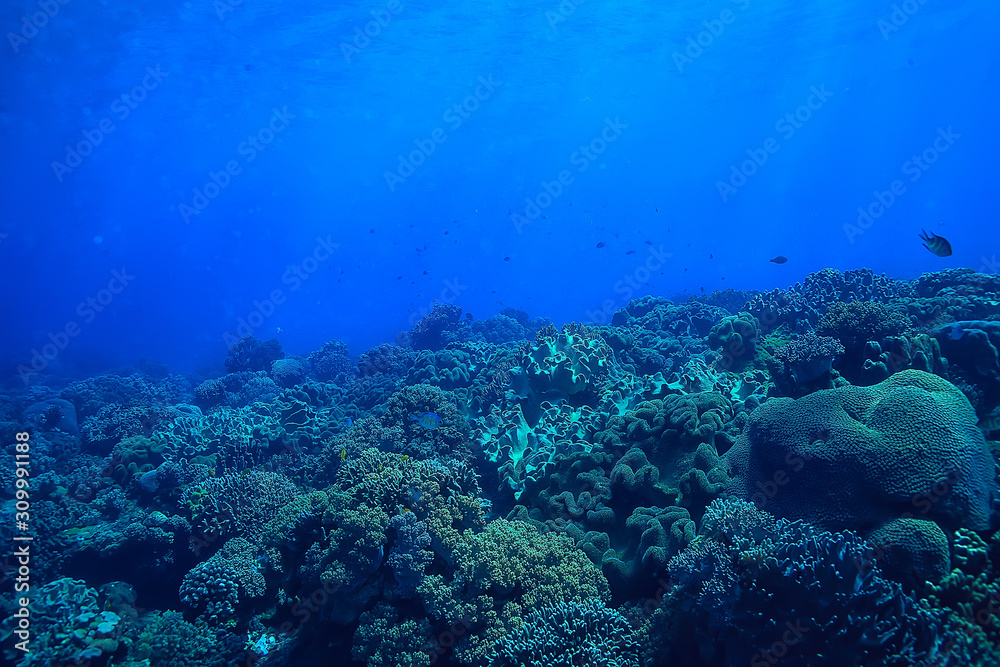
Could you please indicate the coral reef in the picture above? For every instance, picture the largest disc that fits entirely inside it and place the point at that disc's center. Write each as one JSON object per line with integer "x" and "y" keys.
{"x": 805, "y": 476}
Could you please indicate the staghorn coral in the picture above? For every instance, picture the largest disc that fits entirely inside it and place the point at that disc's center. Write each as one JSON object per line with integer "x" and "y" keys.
{"x": 569, "y": 633}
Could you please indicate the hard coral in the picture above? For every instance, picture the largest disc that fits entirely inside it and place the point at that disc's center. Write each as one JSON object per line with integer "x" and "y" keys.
{"x": 853, "y": 457}
{"x": 755, "y": 590}
{"x": 332, "y": 362}
{"x": 431, "y": 331}
{"x": 224, "y": 584}
{"x": 857, "y": 322}
{"x": 805, "y": 364}
{"x": 250, "y": 354}
{"x": 570, "y": 633}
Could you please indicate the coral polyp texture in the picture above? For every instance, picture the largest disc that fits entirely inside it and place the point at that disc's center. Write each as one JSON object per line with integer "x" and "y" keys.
{"x": 806, "y": 476}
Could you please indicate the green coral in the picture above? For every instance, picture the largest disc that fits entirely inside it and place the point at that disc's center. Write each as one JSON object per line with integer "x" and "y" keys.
{"x": 501, "y": 574}
{"x": 383, "y": 639}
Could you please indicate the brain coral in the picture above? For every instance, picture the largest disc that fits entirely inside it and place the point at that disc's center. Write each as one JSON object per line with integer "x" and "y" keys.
{"x": 860, "y": 457}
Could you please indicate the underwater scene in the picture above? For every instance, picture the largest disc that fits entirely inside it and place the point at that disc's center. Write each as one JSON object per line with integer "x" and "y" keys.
{"x": 499, "y": 333}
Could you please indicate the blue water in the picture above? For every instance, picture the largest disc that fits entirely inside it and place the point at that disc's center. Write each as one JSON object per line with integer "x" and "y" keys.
{"x": 324, "y": 174}
{"x": 633, "y": 463}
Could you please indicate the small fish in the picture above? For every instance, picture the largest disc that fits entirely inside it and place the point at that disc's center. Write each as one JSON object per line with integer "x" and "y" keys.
{"x": 371, "y": 231}
{"x": 711, "y": 256}
{"x": 348, "y": 422}
{"x": 648, "y": 242}
{"x": 600, "y": 244}
{"x": 278, "y": 329}
{"x": 780, "y": 259}
{"x": 428, "y": 420}
{"x": 630, "y": 252}
{"x": 343, "y": 454}
{"x": 506, "y": 259}
{"x": 957, "y": 332}
{"x": 425, "y": 272}
{"x": 936, "y": 244}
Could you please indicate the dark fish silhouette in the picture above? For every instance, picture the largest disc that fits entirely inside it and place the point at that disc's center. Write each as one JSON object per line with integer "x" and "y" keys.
{"x": 780, "y": 259}
{"x": 506, "y": 259}
{"x": 600, "y": 244}
{"x": 630, "y": 252}
{"x": 936, "y": 244}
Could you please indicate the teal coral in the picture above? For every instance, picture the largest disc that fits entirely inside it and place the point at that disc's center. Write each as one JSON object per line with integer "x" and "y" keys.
{"x": 570, "y": 633}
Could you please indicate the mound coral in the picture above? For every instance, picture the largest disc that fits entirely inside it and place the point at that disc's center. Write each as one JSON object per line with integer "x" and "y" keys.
{"x": 861, "y": 457}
